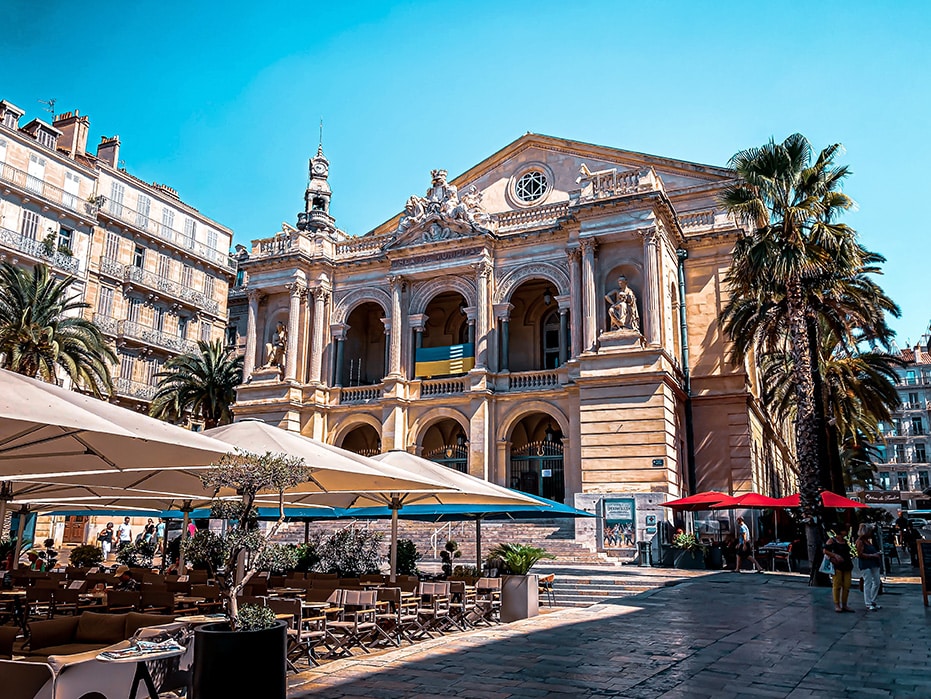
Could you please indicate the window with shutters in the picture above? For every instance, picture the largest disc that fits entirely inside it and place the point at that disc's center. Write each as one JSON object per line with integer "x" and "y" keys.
{"x": 111, "y": 246}
{"x": 168, "y": 223}
{"x": 46, "y": 139}
{"x": 105, "y": 301}
{"x": 36, "y": 173}
{"x": 902, "y": 479}
{"x": 30, "y": 224}
{"x": 208, "y": 286}
{"x": 127, "y": 364}
{"x": 187, "y": 275}
{"x": 2, "y": 151}
{"x": 115, "y": 202}
{"x": 190, "y": 231}
{"x": 204, "y": 331}
{"x": 143, "y": 207}
{"x": 164, "y": 266}
{"x": 158, "y": 318}
{"x": 152, "y": 367}
{"x": 182, "y": 327}
{"x": 132, "y": 313}
{"x": 72, "y": 190}
{"x": 211, "y": 239}
{"x": 139, "y": 257}
{"x": 66, "y": 240}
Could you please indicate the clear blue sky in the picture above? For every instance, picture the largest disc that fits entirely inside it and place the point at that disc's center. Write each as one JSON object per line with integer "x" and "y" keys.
{"x": 222, "y": 100}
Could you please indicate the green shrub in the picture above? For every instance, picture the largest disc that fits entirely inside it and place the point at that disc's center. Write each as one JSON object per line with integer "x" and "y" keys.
{"x": 308, "y": 555}
{"x": 136, "y": 555}
{"x": 278, "y": 559}
{"x": 85, "y": 556}
{"x": 350, "y": 553}
{"x": 254, "y": 617}
{"x": 518, "y": 559}
{"x": 466, "y": 572}
{"x": 407, "y": 558}
{"x": 449, "y": 554}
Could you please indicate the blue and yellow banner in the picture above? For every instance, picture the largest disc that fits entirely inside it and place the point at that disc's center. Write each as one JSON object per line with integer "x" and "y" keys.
{"x": 444, "y": 361}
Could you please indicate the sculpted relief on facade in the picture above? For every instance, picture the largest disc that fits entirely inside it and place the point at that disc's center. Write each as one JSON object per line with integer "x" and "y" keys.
{"x": 622, "y": 307}
{"x": 443, "y": 214}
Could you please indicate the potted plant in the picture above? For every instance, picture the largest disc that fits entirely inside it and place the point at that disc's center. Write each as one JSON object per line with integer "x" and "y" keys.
{"x": 520, "y": 594}
{"x": 408, "y": 555}
{"x": 691, "y": 554}
{"x": 449, "y": 554}
{"x": 246, "y": 655}
{"x": 85, "y": 556}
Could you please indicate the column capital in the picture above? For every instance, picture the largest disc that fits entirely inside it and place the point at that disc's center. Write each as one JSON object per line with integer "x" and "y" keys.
{"x": 339, "y": 330}
{"x": 469, "y": 312}
{"x": 483, "y": 269}
{"x": 418, "y": 321}
{"x": 588, "y": 245}
{"x": 387, "y": 323}
{"x": 503, "y": 310}
{"x": 253, "y": 295}
{"x": 574, "y": 253}
{"x": 563, "y": 302}
{"x": 395, "y": 280}
{"x": 296, "y": 288}
{"x": 321, "y": 293}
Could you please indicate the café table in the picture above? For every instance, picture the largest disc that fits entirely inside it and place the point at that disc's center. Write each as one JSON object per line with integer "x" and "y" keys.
{"x": 287, "y": 591}
{"x": 184, "y": 601}
{"x": 19, "y": 613}
{"x": 142, "y": 671}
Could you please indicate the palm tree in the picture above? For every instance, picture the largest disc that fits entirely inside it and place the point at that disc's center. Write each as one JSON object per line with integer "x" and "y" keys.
{"x": 796, "y": 268}
{"x": 41, "y": 329}
{"x": 202, "y": 383}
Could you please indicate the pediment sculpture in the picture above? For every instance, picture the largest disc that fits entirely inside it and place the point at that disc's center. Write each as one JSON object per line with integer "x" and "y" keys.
{"x": 443, "y": 214}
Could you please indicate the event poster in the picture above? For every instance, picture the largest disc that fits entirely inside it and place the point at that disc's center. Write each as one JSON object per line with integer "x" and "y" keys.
{"x": 619, "y": 523}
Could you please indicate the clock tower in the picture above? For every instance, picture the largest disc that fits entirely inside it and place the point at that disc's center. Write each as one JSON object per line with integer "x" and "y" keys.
{"x": 316, "y": 214}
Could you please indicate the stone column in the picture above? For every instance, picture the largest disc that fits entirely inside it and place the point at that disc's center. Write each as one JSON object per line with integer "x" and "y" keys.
{"x": 396, "y": 326}
{"x": 651, "y": 288}
{"x": 483, "y": 271}
{"x": 503, "y": 316}
{"x": 563, "y": 335}
{"x": 590, "y": 306}
{"x": 575, "y": 299}
{"x": 249, "y": 359}
{"x": 338, "y": 332}
{"x": 417, "y": 323}
{"x": 296, "y": 289}
{"x": 321, "y": 294}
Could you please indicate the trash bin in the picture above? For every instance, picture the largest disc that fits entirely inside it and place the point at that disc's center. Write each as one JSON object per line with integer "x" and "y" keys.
{"x": 646, "y": 553}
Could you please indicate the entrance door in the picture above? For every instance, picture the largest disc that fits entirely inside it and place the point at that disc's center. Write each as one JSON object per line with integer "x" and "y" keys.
{"x": 537, "y": 468}
{"x": 74, "y": 530}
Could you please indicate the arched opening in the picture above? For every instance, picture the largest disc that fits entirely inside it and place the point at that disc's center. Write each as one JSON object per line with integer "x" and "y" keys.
{"x": 535, "y": 465}
{"x": 364, "y": 352}
{"x": 537, "y": 337}
{"x": 445, "y": 443}
{"x": 363, "y": 440}
{"x": 445, "y": 347}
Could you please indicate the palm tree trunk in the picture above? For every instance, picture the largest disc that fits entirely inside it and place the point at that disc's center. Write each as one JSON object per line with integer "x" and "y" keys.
{"x": 806, "y": 424}
{"x": 828, "y": 456}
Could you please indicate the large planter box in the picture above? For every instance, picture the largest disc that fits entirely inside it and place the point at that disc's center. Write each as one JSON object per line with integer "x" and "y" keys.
{"x": 520, "y": 597}
{"x": 239, "y": 664}
{"x": 690, "y": 560}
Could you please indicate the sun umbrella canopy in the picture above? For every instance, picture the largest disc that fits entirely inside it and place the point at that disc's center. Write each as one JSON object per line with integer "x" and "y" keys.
{"x": 828, "y": 499}
{"x": 699, "y": 501}
{"x": 747, "y": 501}
{"x": 46, "y": 429}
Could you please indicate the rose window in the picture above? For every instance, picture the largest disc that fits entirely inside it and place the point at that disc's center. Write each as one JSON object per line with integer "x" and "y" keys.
{"x": 531, "y": 186}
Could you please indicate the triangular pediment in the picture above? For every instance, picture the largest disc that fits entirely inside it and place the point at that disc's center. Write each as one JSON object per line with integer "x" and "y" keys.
{"x": 564, "y": 167}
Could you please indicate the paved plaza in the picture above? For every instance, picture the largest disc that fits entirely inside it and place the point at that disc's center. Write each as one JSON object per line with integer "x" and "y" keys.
{"x": 720, "y": 635}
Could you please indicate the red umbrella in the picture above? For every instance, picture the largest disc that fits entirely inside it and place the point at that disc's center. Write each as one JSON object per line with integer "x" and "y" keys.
{"x": 699, "y": 501}
{"x": 749, "y": 501}
{"x": 828, "y": 499}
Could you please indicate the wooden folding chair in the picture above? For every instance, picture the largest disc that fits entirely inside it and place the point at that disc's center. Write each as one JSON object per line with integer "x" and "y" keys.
{"x": 119, "y": 601}
{"x": 545, "y": 586}
{"x": 356, "y": 624}
{"x": 157, "y": 600}
{"x": 434, "y": 607}
{"x": 462, "y": 601}
{"x": 487, "y": 601}
{"x": 402, "y": 616}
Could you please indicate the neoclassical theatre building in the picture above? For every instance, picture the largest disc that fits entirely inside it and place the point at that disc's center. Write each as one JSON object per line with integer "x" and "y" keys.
{"x": 546, "y": 320}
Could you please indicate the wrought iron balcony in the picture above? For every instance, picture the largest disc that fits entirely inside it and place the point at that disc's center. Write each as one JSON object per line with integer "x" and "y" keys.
{"x": 160, "y": 284}
{"x": 134, "y": 389}
{"x": 31, "y": 185}
{"x": 132, "y": 330}
{"x": 37, "y": 250}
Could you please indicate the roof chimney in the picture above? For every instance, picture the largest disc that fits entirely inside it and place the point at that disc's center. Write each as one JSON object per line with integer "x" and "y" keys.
{"x": 74, "y": 129}
{"x": 108, "y": 150}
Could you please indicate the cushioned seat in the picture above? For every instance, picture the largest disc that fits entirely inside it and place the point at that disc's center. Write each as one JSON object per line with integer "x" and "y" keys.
{"x": 68, "y": 649}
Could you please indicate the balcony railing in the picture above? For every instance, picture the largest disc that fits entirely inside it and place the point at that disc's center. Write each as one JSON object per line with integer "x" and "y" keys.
{"x": 533, "y": 380}
{"x": 164, "y": 285}
{"x": 37, "y": 250}
{"x": 361, "y": 246}
{"x": 536, "y": 217}
{"x": 142, "y": 333}
{"x": 442, "y": 387}
{"x": 24, "y": 181}
{"x": 360, "y": 394}
{"x": 123, "y": 213}
{"x": 134, "y": 389}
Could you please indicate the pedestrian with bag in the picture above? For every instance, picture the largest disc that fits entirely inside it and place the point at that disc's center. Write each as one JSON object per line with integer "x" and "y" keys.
{"x": 870, "y": 559}
{"x": 837, "y": 549}
{"x": 745, "y": 546}
{"x": 105, "y": 537}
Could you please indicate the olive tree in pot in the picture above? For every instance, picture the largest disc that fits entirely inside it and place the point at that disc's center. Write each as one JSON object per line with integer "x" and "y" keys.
{"x": 520, "y": 592}
{"x": 245, "y": 656}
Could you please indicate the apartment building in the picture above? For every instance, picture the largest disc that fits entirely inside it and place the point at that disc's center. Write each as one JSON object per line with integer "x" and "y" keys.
{"x": 155, "y": 271}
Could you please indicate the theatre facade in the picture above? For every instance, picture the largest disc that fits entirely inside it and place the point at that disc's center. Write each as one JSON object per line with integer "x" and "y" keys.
{"x": 546, "y": 320}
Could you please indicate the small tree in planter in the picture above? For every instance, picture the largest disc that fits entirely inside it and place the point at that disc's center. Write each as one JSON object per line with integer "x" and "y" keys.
{"x": 520, "y": 593}
{"x": 247, "y": 656}
{"x": 140, "y": 554}
{"x": 448, "y": 555}
{"x": 86, "y": 556}
{"x": 408, "y": 555}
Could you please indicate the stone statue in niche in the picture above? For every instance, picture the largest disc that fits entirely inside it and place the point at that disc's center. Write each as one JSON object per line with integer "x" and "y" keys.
{"x": 275, "y": 350}
{"x": 622, "y": 307}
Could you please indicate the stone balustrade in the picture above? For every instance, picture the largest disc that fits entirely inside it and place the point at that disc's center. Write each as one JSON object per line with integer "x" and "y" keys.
{"x": 39, "y": 251}
{"x": 697, "y": 219}
{"x": 360, "y": 394}
{"x": 536, "y": 217}
{"x": 533, "y": 380}
{"x": 363, "y": 246}
{"x": 442, "y": 387}
{"x": 278, "y": 244}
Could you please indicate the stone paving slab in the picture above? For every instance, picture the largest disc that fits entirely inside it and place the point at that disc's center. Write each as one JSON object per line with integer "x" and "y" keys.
{"x": 721, "y": 635}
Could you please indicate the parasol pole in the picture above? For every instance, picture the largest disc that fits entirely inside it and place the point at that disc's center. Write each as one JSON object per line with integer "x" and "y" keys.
{"x": 395, "y": 506}
{"x": 18, "y": 551}
{"x": 186, "y": 509}
{"x": 478, "y": 544}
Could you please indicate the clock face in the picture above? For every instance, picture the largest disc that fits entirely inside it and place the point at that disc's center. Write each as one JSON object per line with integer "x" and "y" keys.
{"x": 319, "y": 168}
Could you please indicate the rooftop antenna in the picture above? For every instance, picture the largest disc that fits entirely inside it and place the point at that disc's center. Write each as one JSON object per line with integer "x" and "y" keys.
{"x": 49, "y": 105}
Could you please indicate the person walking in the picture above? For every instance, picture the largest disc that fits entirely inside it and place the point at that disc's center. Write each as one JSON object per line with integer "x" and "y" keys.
{"x": 160, "y": 535}
{"x": 837, "y": 549}
{"x": 869, "y": 558}
{"x": 105, "y": 537}
{"x": 745, "y": 546}
{"x": 125, "y": 533}
{"x": 910, "y": 537}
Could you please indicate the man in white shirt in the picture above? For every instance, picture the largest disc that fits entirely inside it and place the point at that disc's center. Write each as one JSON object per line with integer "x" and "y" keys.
{"x": 124, "y": 533}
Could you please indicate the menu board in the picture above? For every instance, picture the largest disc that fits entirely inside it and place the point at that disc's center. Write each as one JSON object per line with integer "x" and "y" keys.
{"x": 924, "y": 567}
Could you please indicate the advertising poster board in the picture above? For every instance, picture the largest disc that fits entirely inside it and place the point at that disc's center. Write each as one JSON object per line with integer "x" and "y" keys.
{"x": 620, "y": 523}
{"x": 924, "y": 567}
